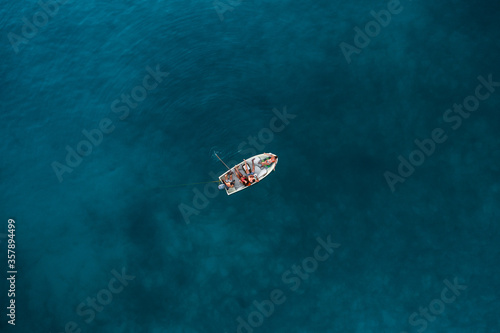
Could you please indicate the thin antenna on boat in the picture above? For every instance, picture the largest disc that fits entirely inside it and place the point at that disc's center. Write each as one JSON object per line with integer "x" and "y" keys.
{"x": 222, "y": 161}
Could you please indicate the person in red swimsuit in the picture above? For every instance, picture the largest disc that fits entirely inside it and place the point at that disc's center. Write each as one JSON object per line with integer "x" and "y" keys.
{"x": 243, "y": 179}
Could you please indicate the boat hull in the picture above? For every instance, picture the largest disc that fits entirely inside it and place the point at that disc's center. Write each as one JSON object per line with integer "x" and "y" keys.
{"x": 261, "y": 172}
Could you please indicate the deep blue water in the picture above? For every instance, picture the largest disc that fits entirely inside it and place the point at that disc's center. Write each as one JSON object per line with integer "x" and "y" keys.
{"x": 104, "y": 243}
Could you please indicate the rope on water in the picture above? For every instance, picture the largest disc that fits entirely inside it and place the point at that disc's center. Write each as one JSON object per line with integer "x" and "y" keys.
{"x": 179, "y": 185}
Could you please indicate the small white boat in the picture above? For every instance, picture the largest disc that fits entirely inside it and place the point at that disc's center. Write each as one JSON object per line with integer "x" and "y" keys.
{"x": 260, "y": 172}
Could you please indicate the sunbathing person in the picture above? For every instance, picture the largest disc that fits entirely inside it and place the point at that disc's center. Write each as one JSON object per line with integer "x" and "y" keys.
{"x": 252, "y": 177}
{"x": 229, "y": 183}
{"x": 243, "y": 179}
{"x": 267, "y": 162}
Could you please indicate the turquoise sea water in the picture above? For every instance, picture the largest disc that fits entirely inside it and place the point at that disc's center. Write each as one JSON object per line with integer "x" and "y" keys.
{"x": 105, "y": 106}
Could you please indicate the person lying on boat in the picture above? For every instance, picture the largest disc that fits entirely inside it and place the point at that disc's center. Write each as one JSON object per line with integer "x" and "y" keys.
{"x": 252, "y": 177}
{"x": 268, "y": 161}
{"x": 229, "y": 183}
{"x": 243, "y": 179}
